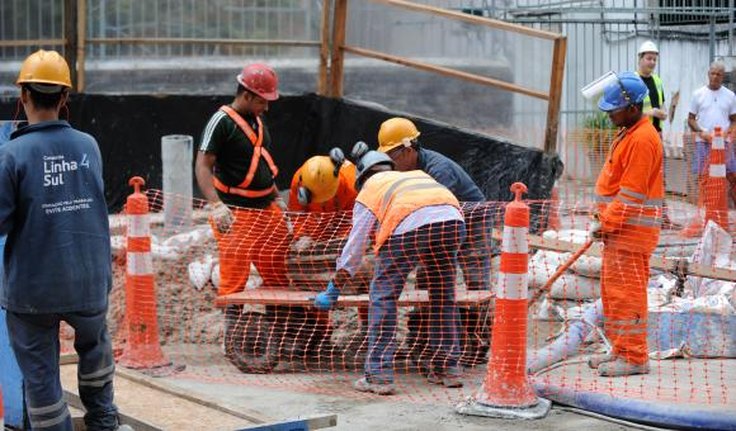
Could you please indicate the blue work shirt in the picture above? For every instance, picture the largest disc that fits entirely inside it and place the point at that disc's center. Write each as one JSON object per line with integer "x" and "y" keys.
{"x": 52, "y": 208}
{"x": 449, "y": 174}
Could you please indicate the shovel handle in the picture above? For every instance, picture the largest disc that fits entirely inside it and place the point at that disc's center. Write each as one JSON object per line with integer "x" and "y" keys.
{"x": 564, "y": 267}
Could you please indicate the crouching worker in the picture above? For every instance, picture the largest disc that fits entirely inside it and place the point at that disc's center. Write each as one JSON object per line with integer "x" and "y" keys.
{"x": 415, "y": 221}
{"x": 323, "y": 184}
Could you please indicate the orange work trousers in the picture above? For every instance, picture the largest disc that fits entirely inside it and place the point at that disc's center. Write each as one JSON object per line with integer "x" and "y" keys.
{"x": 624, "y": 292}
{"x": 257, "y": 236}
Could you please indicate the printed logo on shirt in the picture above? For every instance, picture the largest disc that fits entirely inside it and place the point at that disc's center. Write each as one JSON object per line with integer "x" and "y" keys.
{"x": 56, "y": 167}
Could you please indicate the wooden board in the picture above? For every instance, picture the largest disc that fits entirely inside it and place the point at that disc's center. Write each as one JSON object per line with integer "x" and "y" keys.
{"x": 663, "y": 263}
{"x": 300, "y": 298}
{"x": 158, "y": 409}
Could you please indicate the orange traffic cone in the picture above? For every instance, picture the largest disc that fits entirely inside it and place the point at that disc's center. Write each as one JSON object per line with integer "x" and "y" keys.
{"x": 713, "y": 190}
{"x": 143, "y": 350}
{"x": 506, "y": 391}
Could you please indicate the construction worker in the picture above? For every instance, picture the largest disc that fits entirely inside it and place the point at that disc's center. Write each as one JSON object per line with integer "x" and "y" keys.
{"x": 398, "y": 138}
{"x": 57, "y": 255}
{"x": 654, "y": 109}
{"x": 713, "y": 105}
{"x": 415, "y": 220}
{"x": 322, "y": 184}
{"x": 629, "y": 192}
{"x": 235, "y": 173}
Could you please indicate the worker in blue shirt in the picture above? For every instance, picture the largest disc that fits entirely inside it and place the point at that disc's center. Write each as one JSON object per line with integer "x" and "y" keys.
{"x": 57, "y": 256}
{"x": 398, "y": 138}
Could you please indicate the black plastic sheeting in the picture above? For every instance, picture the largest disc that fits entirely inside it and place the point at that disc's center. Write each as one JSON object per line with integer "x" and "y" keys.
{"x": 129, "y": 130}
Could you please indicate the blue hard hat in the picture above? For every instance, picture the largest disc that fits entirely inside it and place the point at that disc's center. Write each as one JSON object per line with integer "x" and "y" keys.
{"x": 629, "y": 89}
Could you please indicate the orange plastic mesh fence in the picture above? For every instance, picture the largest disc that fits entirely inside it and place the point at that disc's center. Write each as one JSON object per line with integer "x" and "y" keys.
{"x": 276, "y": 338}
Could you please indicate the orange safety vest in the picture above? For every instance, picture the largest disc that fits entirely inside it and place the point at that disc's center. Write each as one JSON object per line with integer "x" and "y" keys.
{"x": 344, "y": 197}
{"x": 630, "y": 189}
{"x": 391, "y": 196}
{"x": 258, "y": 151}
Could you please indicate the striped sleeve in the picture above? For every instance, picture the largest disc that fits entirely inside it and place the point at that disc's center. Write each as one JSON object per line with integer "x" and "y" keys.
{"x": 208, "y": 144}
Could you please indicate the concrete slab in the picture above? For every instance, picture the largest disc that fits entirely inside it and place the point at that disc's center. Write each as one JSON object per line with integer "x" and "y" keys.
{"x": 417, "y": 406}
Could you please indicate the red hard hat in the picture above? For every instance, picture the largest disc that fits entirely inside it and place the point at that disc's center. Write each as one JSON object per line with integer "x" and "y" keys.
{"x": 261, "y": 80}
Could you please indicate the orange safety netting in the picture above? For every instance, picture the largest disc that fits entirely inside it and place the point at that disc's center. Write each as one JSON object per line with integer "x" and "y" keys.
{"x": 279, "y": 340}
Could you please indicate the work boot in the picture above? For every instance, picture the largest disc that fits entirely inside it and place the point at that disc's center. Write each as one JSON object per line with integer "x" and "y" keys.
{"x": 448, "y": 379}
{"x": 363, "y": 385}
{"x": 124, "y": 428}
{"x": 620, "y": 367}
{"x": 594, "y": 361}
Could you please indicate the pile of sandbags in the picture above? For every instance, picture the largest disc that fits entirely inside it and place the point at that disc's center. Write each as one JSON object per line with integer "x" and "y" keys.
{"x": 580, "y": 283}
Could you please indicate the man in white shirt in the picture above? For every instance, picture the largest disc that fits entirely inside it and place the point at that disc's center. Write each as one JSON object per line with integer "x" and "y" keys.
{"x": 713, "y": 105}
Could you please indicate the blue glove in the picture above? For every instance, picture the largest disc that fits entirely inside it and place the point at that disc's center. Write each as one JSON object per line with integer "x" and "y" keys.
{"x": 326, "y": 299}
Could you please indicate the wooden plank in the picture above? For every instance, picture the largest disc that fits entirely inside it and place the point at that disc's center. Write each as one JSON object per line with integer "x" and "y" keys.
{"x": 305, "y": 298}
{"x": 148, "y": 407}
{"x": 81, "y": 47}
{"x": 663, "y": 263}
{"x": 138, "y": 424}
{"x": 324, "y": 49}
{"x": 16, "y": 43}
{"x": 200, "y": 41}
{"x": 239, "y": 412}
{"x": 339, "y": 19}
{"x": 70, "y": 35}
{"x": 488, "y": 22}
{"x": 478, "y": 79}
{"x": 555, "y": 95}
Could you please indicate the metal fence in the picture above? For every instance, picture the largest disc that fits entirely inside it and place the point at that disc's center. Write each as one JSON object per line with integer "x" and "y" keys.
{"x": 220, "y": 34}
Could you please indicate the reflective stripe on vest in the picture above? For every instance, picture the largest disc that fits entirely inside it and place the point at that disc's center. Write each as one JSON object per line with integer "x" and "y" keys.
{"x": 258, "y": 152}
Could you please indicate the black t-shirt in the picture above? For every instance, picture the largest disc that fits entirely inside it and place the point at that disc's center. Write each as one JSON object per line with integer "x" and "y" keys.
{"x": 654, "y": 97}
{"x": 234, "y": 151}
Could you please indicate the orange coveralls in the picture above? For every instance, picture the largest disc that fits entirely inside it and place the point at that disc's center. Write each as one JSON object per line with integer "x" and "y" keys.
{"x": 260, "y": 236}
{"x": 630, "y": 194}
{"x": 323, "y": 228}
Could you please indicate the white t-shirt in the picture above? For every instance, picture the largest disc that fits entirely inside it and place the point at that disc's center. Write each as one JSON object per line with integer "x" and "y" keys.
{"x": 712, "y": 108}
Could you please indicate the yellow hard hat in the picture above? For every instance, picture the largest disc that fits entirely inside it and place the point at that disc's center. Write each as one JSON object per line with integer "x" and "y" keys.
{"x": 45, "y": 67}
{"x": 393, "y": 131}
{"x": 320, "y": 178}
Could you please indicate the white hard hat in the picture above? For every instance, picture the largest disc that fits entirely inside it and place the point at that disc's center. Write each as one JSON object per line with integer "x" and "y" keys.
{"x": 648, "y": 46}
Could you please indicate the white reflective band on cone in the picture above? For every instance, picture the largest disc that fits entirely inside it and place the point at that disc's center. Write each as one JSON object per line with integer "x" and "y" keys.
{"x": 138, "y": 226}
{"x": 718, "y": 171}
{"x": 512, "y": 286}
{"x": 718, "y": 144}
{"x": 515, "y": 240}
{"x": 140, "y": 263}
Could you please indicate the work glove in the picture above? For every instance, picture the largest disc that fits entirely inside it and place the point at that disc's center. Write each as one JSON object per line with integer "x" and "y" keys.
{"x": 222, "y": 216}
{"x": 326, "y": 299}
{"x": 659, "y": 113}
{"x": 303, "y": 244}
{"x": 594, "y": 230}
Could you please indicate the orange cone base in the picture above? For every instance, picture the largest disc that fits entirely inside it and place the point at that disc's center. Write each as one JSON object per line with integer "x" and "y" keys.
{"x": 474, "y": 407}
{"x": 141, "y": 357}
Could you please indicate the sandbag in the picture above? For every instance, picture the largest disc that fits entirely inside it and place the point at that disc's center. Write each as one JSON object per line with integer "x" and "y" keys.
{"x": 588, "y": 266}
{"x": 571, "y": 286}
{"x": 543, "y": 264}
